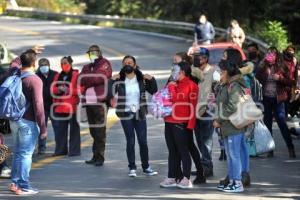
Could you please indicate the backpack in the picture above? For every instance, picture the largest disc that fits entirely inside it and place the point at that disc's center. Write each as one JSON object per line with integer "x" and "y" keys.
{"x": 161, "y": 105}
{"x": 12, "y": 100}
{"x": 256, "y": 90}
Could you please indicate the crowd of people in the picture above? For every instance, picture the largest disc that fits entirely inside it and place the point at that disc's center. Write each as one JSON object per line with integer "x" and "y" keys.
{"x": 203, "y": 97}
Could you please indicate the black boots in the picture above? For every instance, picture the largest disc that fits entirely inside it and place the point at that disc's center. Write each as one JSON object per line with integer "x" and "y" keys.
{"x": 222, "y": 155}
{"x": 292, "y": 153}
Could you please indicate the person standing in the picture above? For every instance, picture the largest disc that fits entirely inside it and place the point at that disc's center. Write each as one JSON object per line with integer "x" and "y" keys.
{"x": 274, "y": 77}
{"x": 204, "y": 126}
{"x": 234, "y": 139}
{"x": 27, "y": 130}
{"x": 94, "y": 79}
{"x": 47, "y": 75}
{"x": 131, "y": 86}
{"x": 65, "y": 91}
{"x": 179, "y": 126}
{"x": 204, "y": 31}
{"x": 236, "y": 34}
{"x": 254, "y": 55}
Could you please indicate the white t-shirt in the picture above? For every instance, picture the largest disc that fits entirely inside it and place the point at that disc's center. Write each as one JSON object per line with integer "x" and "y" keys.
{"x": 132, "y": 95}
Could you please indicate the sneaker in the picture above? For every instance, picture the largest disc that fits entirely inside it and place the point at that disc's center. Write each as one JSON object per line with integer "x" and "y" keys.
{"x": 29, "y": 191}
{"x": 132, "y": 173}
{"x": 223, "y": 183}
{"x": 234, "y": 187}
{"x": 185, "y": 183}
{"x": 13, "y": 187}
{"x": 98, "y": 163}
{"x": 199, "y": 180}
{"x": 5, "y": 173}
{"x": 168, "y": 183}
{"x": 150, "y": 172}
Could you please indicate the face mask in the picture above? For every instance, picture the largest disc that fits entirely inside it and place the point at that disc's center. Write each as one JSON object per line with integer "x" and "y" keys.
{"x": 197, "y": 62}
{"x": 216, "y": 76}
{"x": 175, "y": 72}
{"x": 128, "y": 69}
{"x": 252, "y": 55}
{"x": 65, "y": 68}
{"x": 270, "y": 58}
{"x": 44, "y": 69}
{"x": 93, "y": 57}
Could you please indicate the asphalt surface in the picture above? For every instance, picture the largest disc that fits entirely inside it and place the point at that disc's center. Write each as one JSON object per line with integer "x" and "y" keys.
{"x": 69, "y": 178}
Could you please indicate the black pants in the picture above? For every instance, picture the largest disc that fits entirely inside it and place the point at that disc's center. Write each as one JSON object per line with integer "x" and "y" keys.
{"x": 273, "y": 107}
{"x": 178, "y": 139}
{"x": 96, "y": 115}
{"x": 139, "y": 127}
{"x": 61, "y": 129}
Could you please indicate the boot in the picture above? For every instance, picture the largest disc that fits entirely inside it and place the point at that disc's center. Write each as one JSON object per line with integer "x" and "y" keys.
{"x": 222, "y": 155}
{"x": 292, "y": 153}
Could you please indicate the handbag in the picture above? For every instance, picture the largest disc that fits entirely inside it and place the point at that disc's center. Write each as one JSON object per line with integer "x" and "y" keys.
{"x": 247, "y": 112}
{"x": 261, "y": 140}
{"x": 4, "y": 150}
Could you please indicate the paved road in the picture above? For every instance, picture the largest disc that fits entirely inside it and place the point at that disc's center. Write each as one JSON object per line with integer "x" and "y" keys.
{"x": 70, "y": 178}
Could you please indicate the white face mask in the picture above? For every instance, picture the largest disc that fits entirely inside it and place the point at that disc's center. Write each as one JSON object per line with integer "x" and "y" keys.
{"x": 216, "y": 76}
{"x": 175, "y": 72}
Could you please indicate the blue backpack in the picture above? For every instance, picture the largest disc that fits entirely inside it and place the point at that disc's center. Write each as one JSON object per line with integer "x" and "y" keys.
{"x": 12, "y": 100}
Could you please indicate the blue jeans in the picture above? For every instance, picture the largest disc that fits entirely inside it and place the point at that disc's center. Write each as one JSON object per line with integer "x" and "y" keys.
{"x": 237, "y": 156}
{"x": 273, "y": 107}
{"x": 130, "y": 127}
{"x": 25, "y": 135}
{"x": 204, "y": 132}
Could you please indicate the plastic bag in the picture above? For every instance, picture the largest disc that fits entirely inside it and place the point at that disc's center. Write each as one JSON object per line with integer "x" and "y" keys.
{"x": 161, "y": 105}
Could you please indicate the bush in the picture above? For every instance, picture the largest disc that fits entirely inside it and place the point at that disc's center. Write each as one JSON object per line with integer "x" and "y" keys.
{"x": 275, "y": 34}
{"x": 53, "y": 5}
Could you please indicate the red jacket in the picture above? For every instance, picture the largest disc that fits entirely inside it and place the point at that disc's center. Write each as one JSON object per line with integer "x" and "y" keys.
{"x": 184, "y": 97}
{"x": 87, "y": 78}
{"x": 66, "y": 102}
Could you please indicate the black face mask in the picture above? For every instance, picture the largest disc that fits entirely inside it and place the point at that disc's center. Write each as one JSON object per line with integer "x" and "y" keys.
{"x": 288, "y": 56}
{"x": 197, "y": 62}
{"x": 252, "y": 55}
{"x": 128, "y": 69}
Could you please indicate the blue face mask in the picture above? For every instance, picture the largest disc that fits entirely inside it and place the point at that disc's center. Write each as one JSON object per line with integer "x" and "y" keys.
{"x": 44, "y": 69}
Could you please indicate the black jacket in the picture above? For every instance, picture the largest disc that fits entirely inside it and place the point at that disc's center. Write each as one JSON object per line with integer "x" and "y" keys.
{"x": 120, "y": 89}
{"x": 47, "y": 97}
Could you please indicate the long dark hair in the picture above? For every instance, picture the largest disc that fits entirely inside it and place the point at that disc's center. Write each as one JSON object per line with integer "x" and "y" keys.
{"x": 186, "y": 68}
{"x": 185, "y": 57}
{"x": 279, "y": 65}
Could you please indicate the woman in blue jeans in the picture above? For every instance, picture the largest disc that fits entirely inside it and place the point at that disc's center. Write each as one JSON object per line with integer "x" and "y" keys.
{"x": 131, "y": 85}
{"x": 234, "y": 139}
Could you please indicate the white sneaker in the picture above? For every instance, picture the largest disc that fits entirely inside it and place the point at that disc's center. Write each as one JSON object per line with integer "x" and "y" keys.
{"x": 168, "y": 183}
{"x": 185, "y": 183}
{"x": 5, "y": 173}
{"x": 235, "y": 187}
{"x": 30, "y": 191}
{"x": 132, "y": 173}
